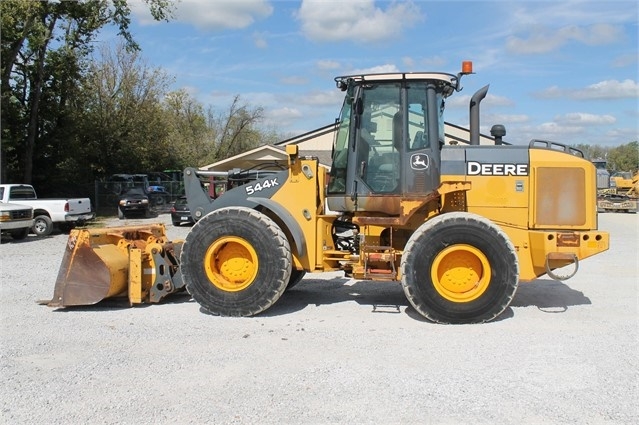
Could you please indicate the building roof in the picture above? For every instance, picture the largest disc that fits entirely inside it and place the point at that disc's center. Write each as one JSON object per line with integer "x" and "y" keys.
{"x": 262, "y": 155}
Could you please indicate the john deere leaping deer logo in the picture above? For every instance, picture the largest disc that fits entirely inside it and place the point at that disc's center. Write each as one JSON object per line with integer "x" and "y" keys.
{"x": 419, "y": 161}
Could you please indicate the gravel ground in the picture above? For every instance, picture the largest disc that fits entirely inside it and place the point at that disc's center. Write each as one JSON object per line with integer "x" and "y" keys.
{"x": 330, "y": 351}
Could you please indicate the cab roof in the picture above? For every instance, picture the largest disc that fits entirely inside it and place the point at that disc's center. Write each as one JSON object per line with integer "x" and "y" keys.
{"x": 396, "y": 76}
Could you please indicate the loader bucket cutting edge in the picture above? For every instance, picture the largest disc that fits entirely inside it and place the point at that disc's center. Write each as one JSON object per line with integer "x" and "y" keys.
{"x": 95, "y": 265}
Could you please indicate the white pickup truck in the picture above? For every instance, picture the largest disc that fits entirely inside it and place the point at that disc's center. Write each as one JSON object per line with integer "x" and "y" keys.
{"x": 15, "y": 220}
{"x": 48, "y": 212}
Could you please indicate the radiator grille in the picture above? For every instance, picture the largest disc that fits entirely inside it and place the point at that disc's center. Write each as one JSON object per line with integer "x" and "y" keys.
{"x": 560, "y": 196}
{"x": 21, "y": 214}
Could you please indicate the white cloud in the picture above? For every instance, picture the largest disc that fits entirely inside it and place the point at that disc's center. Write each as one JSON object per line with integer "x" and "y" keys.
{"x": 538, "y": 42}
{"x": 294, "y": 80}
{"x": 140, "y": 10}
{"x": 608, "y": 89}
{"x": 623, "y": 135}
{"x": 556, "y": 13}
{"x": 324, "y": 98}
{"x": 282, "y": 117}
{"x": 463, "y": 101}
{"x": 505, "y": 118}
{"x": 629, "y": 59}
{"x": 379, "y": 69}
{"x": 430, "y": 64}
{"x": 582, "y": 118}
{"x": 434, "y": 63}
{"x": 408, "y": 62}
{"x": 327, "y": 64}
{"x": 544, "y": 40}
{"x": 554, "y": 129}
{"x": 259, "y": 39}
{"x": 283, "y": 113}
{"x": 523, "y": 134}
{"x": 358, "y": 21}
{"x": 211, "y": 15}
{"x": 494, "y": 100}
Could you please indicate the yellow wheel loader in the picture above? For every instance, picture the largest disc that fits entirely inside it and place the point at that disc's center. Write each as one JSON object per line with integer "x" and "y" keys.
{"x": 622, "y": 194}
{"x": 459, "y": 227}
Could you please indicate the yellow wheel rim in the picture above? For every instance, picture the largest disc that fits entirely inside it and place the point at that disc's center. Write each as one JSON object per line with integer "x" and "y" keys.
{"x": 231, "y": 264}
{"x": 461, "y": 273}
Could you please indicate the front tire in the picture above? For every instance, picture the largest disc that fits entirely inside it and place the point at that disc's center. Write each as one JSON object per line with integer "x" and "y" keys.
{"x": 296, "y": 277}
{"x": 236, "y": 262}
{"x": 42, "y": 225}
{"x": 459, "y": 268}
{"x": 20, "y": 234}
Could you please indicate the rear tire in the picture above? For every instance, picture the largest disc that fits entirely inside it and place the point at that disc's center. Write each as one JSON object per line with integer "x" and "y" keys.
{"x": 42, "y": 225}
{"x": 159, "y": 200}
{"x": 459, "y": 268}
{"x": 236, "y": 262}
{"x": 66, "y": 227}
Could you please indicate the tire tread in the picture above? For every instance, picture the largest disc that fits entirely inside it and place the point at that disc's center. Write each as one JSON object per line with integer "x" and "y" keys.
{"x": 471, "y": 220}
{"x": 279, "y": 246}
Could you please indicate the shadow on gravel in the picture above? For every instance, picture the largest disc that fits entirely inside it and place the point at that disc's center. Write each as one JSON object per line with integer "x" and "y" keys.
{"x": 382, "y": 297}
{"x": 9, "y": 239}
{"x": 123, "y": 304}
{"x": 549, "y": 296}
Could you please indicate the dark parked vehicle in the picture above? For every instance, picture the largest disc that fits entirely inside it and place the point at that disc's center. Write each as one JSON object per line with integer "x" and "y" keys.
{"x": 180, "y": 212}
{"x": 134, "y": 201}
{"x": 158, "y": 195}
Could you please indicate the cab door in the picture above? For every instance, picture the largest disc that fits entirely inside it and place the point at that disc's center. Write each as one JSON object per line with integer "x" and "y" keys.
{"x": 424, "y": 128}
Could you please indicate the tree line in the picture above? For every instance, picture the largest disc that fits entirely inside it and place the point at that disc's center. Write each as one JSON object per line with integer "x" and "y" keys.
{"x": 619, "y": 158}
{"x": 72, "y": 114}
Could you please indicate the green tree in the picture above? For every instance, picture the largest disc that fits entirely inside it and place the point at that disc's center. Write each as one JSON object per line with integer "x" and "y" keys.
{"x": 131, "y": 122}
{"x": 593, "y": 151}
{"x": 124, "y": 124}
{"x": 190, "y": 140}
{"x": 624, "y": 157}
{"x": 236, "y": 129}
{"x": 44, "y": 44}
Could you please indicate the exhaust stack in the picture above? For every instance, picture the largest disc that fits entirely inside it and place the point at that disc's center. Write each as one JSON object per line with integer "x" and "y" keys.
{"x": 474, "y": 114}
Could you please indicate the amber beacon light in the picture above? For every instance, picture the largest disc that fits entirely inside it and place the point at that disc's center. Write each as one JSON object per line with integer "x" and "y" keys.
{"x": 467, "y": 67}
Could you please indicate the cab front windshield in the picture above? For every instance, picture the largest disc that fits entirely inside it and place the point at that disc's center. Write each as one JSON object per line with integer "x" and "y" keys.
{"x": 337, "y": 181}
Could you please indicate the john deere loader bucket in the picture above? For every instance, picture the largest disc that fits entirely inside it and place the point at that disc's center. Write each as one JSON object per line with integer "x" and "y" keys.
{"x": 137, "y": 262}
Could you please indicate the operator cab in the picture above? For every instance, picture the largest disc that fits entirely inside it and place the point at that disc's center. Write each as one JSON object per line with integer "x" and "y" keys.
{"x": 388, "y": 139}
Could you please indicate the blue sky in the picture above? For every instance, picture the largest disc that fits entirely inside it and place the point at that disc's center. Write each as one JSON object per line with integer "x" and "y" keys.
{"x": 565, "y": 71}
